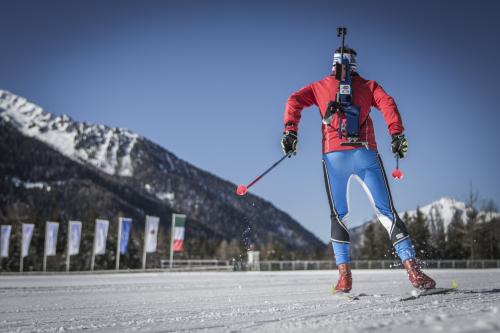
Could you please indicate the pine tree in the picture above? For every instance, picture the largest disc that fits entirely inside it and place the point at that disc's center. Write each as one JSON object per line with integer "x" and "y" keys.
{"x": 495, "y": 231}
{"x": 455, "y": 238}
{"x": 420, "y": 234}
{"x": 471, "y": 224}
{"x": 369, "y": 242}
{"x": 438, "y": 235}
{"x": 489, "y": 229}
{"x": 376, "y": 243}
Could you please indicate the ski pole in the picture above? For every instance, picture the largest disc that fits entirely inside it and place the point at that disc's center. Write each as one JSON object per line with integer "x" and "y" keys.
{"x": 242, "y": 189}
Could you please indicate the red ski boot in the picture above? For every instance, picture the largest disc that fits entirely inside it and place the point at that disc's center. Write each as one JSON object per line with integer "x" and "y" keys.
{"x": 345, "y": 278}
{"x": 417, "y": 278}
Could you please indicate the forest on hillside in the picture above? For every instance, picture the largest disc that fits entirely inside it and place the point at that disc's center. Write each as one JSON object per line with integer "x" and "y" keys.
{"x": 475, "y": 237}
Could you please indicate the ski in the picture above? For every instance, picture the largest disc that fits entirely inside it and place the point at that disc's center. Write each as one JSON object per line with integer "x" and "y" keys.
{"x": 346, "y": 296}
{"x": 427, "y": 292}
{"x": 352, "y": 296}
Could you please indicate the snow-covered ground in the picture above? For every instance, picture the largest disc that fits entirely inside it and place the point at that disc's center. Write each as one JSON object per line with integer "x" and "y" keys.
{"x": 248, "y": 302}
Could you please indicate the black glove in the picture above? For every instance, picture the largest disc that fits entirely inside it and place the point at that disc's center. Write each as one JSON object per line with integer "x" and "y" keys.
{"x": 399, "y": 145}
{"x": 289, "y": 142}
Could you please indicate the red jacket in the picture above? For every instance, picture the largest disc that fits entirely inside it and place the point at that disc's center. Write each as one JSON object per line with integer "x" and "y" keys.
{"x": 366, "y": 93}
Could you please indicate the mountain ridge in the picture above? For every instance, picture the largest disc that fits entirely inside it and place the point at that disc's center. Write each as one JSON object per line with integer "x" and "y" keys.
{"x": 106, "y": 148}
{"x": 128, "y": 167}
{"x": 443, "y": 208}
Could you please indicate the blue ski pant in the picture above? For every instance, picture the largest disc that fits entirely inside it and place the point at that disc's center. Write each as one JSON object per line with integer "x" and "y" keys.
{"x": 365, "y": 166}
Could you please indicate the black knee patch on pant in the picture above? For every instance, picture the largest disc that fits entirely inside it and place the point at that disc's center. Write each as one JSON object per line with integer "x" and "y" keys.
{"x": 398, "y": 230}
{"x": 338, "y": 232}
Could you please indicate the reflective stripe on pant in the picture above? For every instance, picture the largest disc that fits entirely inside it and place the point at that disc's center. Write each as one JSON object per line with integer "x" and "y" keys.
{"x": 366, "y": 167}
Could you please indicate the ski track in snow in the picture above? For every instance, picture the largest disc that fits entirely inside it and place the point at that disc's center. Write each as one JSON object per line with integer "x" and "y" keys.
{"x": 245, "y": 302}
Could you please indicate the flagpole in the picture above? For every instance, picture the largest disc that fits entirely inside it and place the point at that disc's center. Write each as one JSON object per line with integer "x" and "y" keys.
{"x": 118, "y": 244}
{"x": 67, "y": 246}
{"x": 145, "y": 243}
{"x": 21, "y": 261}
{"x": 92, "y": 261}
{"x": 171, "y": 262}
{"x": 45, "y": 249}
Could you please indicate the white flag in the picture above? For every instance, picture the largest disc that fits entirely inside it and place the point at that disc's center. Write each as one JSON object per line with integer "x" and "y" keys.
{"x": 74, "y": 234}
{"x": 51, "y": 238}
{"x": 27, "y": 235}
{"x": 101, "y": 233}
{"x": 4, "y": 240}
{"x": 151, "y": 233}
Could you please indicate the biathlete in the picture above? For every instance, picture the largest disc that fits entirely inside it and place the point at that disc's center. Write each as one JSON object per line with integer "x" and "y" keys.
{"x": 342, "y": 163}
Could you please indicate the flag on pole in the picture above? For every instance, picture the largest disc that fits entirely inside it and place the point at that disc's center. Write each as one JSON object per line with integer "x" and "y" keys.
{"x": 151, "y": 235}
{"x": 75, "y": 235}
{"x": 27, "y": 235}
{"x": 4, "y": 240}
{"x": 101, "y": 234}
{"x": 126, "y": 224}
{"x": 179, "y": 227}
{"x": 51, "y": 238}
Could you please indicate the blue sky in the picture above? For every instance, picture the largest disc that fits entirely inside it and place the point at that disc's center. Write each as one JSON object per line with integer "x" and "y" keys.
{"x": 209, "y": 81}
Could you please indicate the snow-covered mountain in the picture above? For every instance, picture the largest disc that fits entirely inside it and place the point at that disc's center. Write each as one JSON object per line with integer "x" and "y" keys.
{"x": 54, "y": 164}
{"x": 445, "y": 209}
{"x": 107, "y": 149}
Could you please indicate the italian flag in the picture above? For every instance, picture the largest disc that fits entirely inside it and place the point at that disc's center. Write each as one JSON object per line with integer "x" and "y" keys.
{"x": 178, "y": 232}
